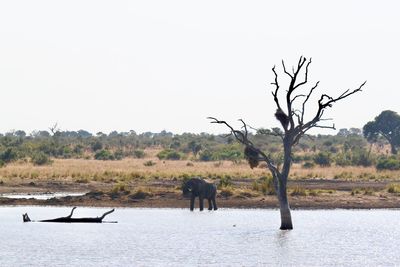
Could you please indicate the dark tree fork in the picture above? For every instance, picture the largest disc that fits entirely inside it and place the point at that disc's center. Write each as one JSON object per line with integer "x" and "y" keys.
{"x": 294, "y": 125}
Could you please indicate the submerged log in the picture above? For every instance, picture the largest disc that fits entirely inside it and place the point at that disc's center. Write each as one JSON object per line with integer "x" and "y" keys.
{"x": 69, "y": 219}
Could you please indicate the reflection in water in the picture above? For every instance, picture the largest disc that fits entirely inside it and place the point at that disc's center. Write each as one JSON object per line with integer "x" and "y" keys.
{"x": 177, "y": 237}
{"x": 281, "y": 238}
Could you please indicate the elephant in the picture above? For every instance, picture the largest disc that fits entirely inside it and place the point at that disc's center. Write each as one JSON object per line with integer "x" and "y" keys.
{"x": 196, "y": 187}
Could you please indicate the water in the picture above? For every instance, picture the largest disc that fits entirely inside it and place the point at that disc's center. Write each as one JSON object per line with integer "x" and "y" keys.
{"x": 43, "y": 196}
{"x": 176, "y": 237}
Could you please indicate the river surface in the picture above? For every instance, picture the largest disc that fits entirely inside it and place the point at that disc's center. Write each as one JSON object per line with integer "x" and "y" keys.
{"x": 43, "y": 196}
{"x": 177, "y": 237}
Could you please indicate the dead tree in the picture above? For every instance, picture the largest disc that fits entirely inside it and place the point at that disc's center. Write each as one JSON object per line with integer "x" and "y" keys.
{"x": 294, "y": 126}
{"x": 69, "y": 219}
{"x": 54, "y": 129}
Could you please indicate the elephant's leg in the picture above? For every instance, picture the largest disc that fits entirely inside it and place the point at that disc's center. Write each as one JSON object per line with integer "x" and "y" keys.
{"x": 214, "y": 203}
{"x": 210, "y": 206}
{"x": 192, "y": 203}
{"x": 201, "y": 204}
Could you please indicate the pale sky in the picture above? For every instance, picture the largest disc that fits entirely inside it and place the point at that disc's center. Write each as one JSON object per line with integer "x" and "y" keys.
{"x": 155, "y": 65}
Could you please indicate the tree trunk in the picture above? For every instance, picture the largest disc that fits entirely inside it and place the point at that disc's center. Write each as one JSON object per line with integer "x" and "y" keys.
{"x": 393, "y": 149}
{"x": 286, "y": 217}
{"x": 369, "y": 151}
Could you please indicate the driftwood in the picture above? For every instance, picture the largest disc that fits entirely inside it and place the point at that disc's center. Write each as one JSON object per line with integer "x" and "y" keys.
{"x": 69, "y": 219}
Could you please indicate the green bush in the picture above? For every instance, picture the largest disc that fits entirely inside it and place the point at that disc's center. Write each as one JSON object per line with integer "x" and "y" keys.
{"x": 8, "y": 155}
{"x": 308, "y": 165}
{"x": 104, "y": 155}
{"x": 343, "y": 159}
{"x": 388, "y": 164}
{"x": 119, "y": 154}
{"x": 323, "y": 159}
{"x": 169, "y": 154}
{"x": 40, "y": 159}
{"x": 228, "y": 152}
{"x": 360, "y": 157}
{"x": 97, "y": 145}
{"x": 139, "y": 154}
{"x": 205, "y": 155}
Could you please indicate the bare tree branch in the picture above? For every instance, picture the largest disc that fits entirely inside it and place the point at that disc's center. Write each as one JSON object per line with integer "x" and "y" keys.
{"x": 342, "y": 96}
{"x": 284, "y": 69}
{"x": 305, "y": 101}
{"x": 275, "y": 94}
{"x": 306, "y": 74}
{"x": 242, "y": 138}
{"x": 294, "y": 98}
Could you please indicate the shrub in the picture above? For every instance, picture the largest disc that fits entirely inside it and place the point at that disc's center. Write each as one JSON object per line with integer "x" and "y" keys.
{"x": 264, "y": 185}
{"x": 368, "y": 191}
{"x": 360, "y": 158}
{"x": 119, "y": 154}
{"x": 228, "y": 152}
{"x": 149, "y": 163}
{"x": 97, "y": 145}
{"x": 169, "y": 154}
{"x": 388, "y": 164}
{"x": 314, "y": 192}
{"x": 120, "y": 187}
{"x": 139, "y": 154}
{"x": 225, "y": 182}
{"x": 343, "y": 159}
{"x": 104, "y": 155}
{"x": 323, "y": 159}
{"x": 267, "y": 185}
{"x": 8, "y": 155}
{"x": 298, "y": 191}
{"x": 34, "y": 175}
{"x": 40, "y": 158}
{"x": 141, "y": 194}
{"x": 394, "y": 188}
{"x": 205, "y": 155}
{"x": 255, "y": 186}
{"x": 308, "y": 165}
{"x": 355, "y": 191}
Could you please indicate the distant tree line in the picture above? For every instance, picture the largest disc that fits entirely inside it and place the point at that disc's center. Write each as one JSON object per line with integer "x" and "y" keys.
{"x": 374, "y": 145}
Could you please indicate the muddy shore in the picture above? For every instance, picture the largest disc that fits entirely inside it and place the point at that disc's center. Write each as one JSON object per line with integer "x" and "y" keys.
{"x": 165, "y": 194}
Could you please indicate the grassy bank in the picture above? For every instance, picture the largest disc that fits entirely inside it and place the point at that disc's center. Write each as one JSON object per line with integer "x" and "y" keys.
{"x": 154, "y": 182}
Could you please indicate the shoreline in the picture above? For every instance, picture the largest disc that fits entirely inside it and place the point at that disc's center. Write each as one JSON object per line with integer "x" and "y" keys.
{"x": 128, "y": 183}
{"x": 161, "y": 200}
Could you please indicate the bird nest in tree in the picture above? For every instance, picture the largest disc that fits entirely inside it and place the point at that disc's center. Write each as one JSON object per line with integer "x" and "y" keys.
{"x": 251, "y": 156}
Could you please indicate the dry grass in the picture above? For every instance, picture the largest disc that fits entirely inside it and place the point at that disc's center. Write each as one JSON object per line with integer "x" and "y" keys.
{"x": 128, "y": 168}
{"x": 342, "y": 173}
{"x": 84, "y": 171}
